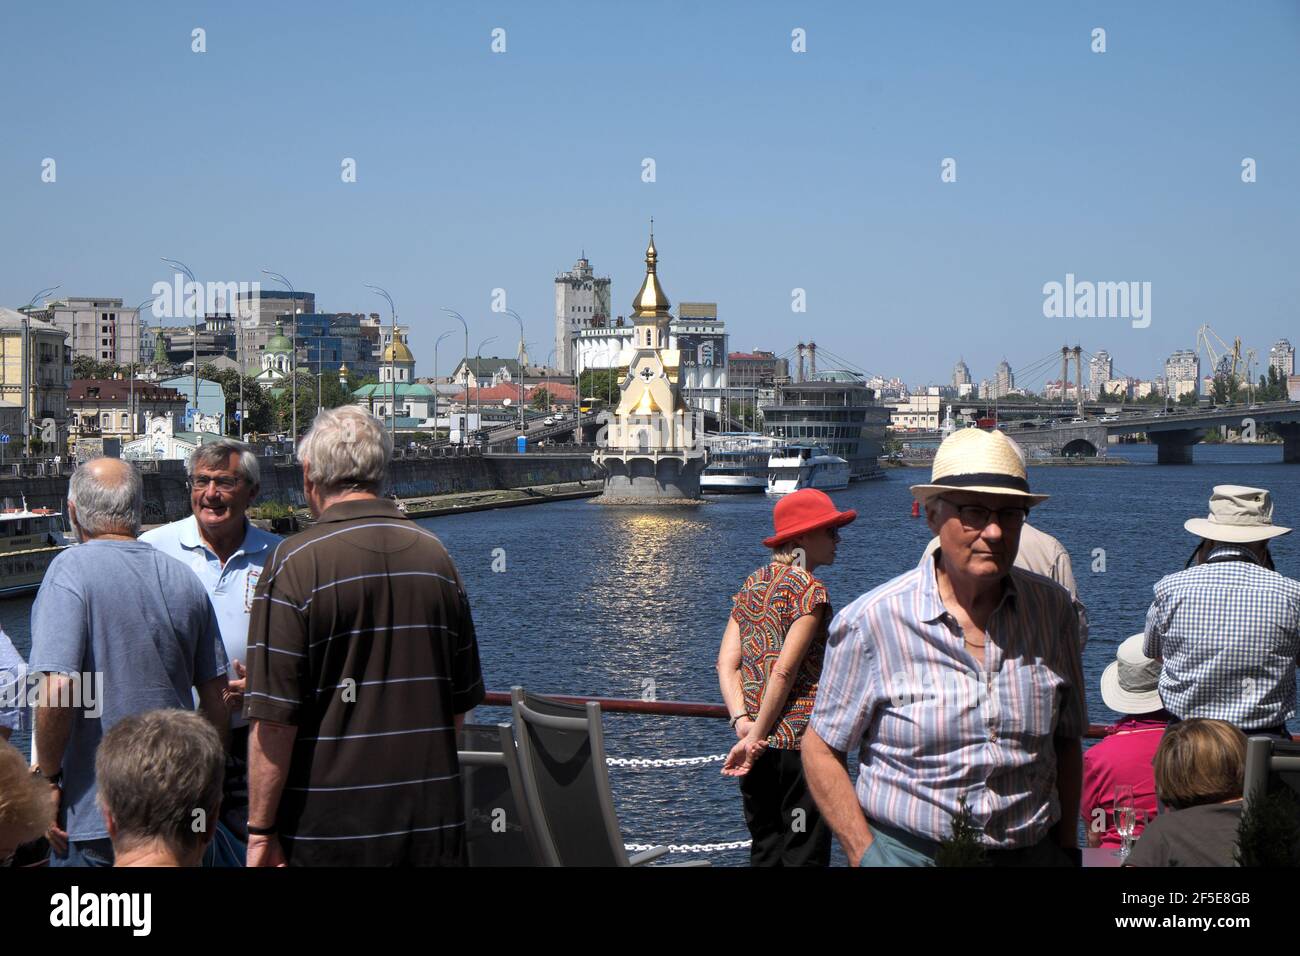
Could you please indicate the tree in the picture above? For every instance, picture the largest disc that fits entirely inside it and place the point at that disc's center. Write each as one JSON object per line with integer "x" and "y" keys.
{"x": 83, "y": 366}
{"x": 257, "y": 404}
{"x": 542, "y": 399}
{"x": 601, "y": 384}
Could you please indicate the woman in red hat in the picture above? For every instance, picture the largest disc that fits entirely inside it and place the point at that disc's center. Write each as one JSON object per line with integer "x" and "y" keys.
{"x": 768, "y": 667}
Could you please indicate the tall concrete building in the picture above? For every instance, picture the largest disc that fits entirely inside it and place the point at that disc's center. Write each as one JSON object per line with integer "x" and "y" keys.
{"x": 35, "y": 371}
{"x": 97, "y": 328}
{"x": 1004, "y": 381}
{"x": 960, "y": 375}
{"x": 1182, "y": 374}
{"x": 581, "y": 302}
{"x": 1282, "y": 357}
{"x": 1100, "y": 371}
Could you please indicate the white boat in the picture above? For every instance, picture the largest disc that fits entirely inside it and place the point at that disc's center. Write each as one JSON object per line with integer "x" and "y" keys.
{"x": 29, "y": 541}
{"x": 805, "y": 466}
{"x": 737, "y": 463}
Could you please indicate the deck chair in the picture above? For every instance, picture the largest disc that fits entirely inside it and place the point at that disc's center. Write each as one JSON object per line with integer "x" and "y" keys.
{"x": 1270, "y": 762}
{"x": 566, "y": 783}
{"x": 498, "y": 827}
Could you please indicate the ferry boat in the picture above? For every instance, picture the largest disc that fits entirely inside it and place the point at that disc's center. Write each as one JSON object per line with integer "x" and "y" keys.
{"x": 29, "y": 541}
{"x": 805, "y": 466}
{"x": 737, "y": 463}
{"x": 837, "y": 411}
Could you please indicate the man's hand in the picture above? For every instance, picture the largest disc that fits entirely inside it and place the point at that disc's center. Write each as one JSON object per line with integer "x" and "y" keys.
{"x": 264, "y": 851}
{"x": 58, "y": 838}
{"x": 233, "y": 695}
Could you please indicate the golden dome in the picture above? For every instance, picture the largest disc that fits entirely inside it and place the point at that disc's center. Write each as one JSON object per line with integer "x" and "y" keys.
{"x": 398, "y": 352}
{"x": 651, "y": 302}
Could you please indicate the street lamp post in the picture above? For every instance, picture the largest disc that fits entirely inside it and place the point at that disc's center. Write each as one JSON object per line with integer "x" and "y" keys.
{"x": 392, "y": 360}
{"x": 293, "y": 349}
{"x": 461, "y": 319}
{"x": 177, "y": 264}
{"x": 139, "y": 337}
{"x": 550, "y": 357}
{"x": 435, "y": 386}
{"x": 478, "y": 392}
{"x": 519, "y": 358}
{"x": 28, "y": 372}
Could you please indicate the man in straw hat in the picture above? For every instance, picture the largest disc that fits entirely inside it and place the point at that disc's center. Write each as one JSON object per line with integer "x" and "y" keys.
{"x": 960, "y": 681}
{"x": 1227, "y": 628}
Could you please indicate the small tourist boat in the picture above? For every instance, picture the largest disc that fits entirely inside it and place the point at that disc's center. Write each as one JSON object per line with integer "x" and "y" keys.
{"x": 29, "y": 541}
{"x": 737, "y": 463}
{"x": 805, "y": 466}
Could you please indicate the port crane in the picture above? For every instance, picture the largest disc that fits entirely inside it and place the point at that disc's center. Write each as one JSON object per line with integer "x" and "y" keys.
{"x": 1206, "y": 337}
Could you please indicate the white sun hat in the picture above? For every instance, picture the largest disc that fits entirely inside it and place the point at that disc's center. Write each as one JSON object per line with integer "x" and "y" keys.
{"x": 975, "y": 460}
{"x": 1129, "y": 682}
{"x": 1238, "y": 515}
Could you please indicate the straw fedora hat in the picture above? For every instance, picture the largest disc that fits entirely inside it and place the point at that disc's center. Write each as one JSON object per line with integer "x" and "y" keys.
{"x": 1129, "y": 683}
{"x": 975, "y": 460}
{"x": 1238, "y": 515}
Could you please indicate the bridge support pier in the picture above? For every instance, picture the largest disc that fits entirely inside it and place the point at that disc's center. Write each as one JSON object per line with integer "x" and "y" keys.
{"x": 1290, "y": 432}
{"x": 1175, "y": 447}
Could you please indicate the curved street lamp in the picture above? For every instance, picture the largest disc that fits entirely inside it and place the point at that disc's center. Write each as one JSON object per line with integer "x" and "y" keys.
{"x": 392, "y": 359}
{"x": 139, "y": 337}
{"x": 293, "y": 348}
{"x": 177, "y": 264}
{"x": 435, "y": 385}
{"x": 519, "y": 358}
{"x": 478, "y": 392}
{"x": 28, "y": 386}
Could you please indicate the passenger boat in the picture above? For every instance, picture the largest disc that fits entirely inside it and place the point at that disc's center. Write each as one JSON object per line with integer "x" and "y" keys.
{"x": 805, "y": 466}
{"x": 737, "y": 463}
{"x": 29, "y": 541}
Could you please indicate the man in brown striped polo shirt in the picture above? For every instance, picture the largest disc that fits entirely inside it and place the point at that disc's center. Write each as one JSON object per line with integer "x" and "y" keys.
{"x": 361, "y": 662}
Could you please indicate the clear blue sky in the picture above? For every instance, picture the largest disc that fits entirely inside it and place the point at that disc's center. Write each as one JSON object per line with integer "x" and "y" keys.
{"x": 775, "y": 170}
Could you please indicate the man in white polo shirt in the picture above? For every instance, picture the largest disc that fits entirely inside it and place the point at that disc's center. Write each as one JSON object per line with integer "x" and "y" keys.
{"x": 227, "y": 552}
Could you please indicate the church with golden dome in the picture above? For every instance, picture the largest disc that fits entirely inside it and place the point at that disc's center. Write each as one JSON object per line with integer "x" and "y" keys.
{"x": 651, "y": 445}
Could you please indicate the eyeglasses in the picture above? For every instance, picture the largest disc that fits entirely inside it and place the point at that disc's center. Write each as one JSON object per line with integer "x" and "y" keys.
{"x": 224, "y": 483}
{"x": 977, "y": 517}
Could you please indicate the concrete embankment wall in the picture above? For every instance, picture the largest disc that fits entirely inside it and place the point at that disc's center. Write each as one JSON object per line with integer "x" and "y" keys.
{"x": 167, "y": 499}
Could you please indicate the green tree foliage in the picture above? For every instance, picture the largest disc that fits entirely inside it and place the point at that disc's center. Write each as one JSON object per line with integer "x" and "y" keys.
{"x": 83, "y": 366}
{"x": 332, "y": 395}
{"x": 542, "y": 399}
{"x": 964, "y": 847}
{"x": 599, "y": 383}
{"x": 1272, "y": 387}
{"x": 260, "y": 414}
{"x": 1269, "y": 833}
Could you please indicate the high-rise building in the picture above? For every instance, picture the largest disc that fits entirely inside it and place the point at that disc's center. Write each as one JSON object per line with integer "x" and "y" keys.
{"x": 581, "y": 302}
{"x": 99, "y": 329}
{"x": 1004, "y": 381}
{"x": 1100, "y": 371}
{"x": 960, "y": 375}
{"x": 756, "y": 369}
{"x": 1282, "y": 357}
{"x": 1182, "y": 374}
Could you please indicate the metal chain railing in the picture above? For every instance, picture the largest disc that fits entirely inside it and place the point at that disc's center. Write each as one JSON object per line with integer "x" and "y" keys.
{"x": 689, "y": 847}
{"x": 664, "y": 762}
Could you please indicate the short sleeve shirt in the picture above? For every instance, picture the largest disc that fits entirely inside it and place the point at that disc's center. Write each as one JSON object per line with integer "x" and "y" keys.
{"x": 138, "y": 630}
{"x": 767, "y": 605}
{"x": 13, "y": 686}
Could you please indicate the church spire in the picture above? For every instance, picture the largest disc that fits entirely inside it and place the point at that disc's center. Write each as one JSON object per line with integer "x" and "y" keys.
{"x": 651, "y": 302}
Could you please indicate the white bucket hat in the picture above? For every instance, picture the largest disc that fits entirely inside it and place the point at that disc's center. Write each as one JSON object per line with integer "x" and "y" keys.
{"x": 1129, "y": 682}
{"x": 1238, "y": 515}
{"x": 975, "y": 460}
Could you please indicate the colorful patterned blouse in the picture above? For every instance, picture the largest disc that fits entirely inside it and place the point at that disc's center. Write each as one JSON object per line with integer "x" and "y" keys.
{"x": 768, "y": 604}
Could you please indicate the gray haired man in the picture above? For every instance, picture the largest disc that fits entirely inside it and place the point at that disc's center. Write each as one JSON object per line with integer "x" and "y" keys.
{"x": 361, "y": 661}
{"x": 118, "y": 628}
{"x": 227, "y": 552}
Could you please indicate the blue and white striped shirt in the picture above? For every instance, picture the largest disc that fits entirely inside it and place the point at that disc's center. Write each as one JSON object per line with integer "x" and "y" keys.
{"x": 933, "y": 725}
{"x": 1228, "y": 632}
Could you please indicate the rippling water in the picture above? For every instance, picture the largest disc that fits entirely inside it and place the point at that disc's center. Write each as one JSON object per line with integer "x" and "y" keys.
{"x": 602, "y": 600}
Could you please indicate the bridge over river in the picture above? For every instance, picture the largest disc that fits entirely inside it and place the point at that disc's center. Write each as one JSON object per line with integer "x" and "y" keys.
{"x": 1174, "y": 433}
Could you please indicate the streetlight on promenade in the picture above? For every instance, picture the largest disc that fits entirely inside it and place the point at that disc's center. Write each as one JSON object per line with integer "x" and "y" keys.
{"x": 478, "y": 391}
{"x": 392, "y": 358}
{"x": 519, "y": 357}
{"x": 28, "y": 371}
{"x": 203, "y": 307}
{"x": 461, "y": 319}
{"x": 435, "y": 386}
{"x": 293, "y": 349}
{"x": 139, "y": 338}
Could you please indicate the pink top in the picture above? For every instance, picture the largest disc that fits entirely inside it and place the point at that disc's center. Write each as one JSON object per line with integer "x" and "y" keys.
{"x": 1124, "y": 757}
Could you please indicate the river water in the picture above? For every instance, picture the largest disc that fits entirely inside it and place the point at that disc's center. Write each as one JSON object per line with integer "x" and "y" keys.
{"x": 625, "y": 601}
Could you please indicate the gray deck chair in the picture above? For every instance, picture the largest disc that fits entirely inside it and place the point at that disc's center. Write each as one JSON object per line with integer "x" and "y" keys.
{"x": 498, "y": 827}
{"x": 566, "y": 781}
{"x": 1270, "y": 760}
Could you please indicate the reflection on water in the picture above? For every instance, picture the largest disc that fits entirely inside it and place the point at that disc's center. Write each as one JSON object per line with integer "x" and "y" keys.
{"x": 601, "y": 600}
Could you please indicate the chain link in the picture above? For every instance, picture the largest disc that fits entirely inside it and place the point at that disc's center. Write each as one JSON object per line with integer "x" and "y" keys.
{"x": 664, "y": 762}
{"x": 689, "y": 847}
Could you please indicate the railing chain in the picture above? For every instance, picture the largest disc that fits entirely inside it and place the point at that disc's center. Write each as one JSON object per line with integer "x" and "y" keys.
{"x": 664, "y": 762}
{"x": 690, "y": 847}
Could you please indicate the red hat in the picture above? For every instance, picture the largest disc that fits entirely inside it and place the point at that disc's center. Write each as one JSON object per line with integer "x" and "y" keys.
{"x": 803, "y": 511}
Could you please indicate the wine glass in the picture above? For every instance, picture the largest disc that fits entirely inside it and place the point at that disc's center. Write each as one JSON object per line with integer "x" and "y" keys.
{"x": 1125, "y": 820}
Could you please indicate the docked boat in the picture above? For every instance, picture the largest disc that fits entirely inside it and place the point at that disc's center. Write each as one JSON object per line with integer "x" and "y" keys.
{"x": 29, "y": 541}
{"x": 737, "y": 463}
{"x": 837, "y": 411}
{"x": 805, "y": 466}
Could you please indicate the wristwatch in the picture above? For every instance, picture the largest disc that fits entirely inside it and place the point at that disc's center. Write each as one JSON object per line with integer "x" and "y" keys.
{"x": 54, "y": 781}
{"x": 737, "y": 719}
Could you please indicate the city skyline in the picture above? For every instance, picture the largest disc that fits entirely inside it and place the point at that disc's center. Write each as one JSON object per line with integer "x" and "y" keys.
{"x": 775, "y": 170}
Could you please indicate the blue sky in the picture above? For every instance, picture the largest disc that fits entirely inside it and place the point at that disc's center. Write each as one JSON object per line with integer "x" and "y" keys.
{"x": 774, "y": 170}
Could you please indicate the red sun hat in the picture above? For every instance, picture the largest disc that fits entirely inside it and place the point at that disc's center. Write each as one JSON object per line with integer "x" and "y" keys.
{"x": 803, "y": 511}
